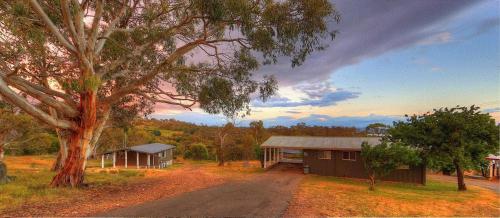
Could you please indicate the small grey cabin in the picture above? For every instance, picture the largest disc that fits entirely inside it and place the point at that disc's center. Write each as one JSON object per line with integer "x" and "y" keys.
{"x": 153, "y": 155}
{"x": 332, "y": 156}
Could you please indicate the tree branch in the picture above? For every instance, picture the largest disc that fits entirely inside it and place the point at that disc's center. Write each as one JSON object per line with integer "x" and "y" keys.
{"x": 67, "y": 98}
{"x": 109, "y": 30}
{"x": 44, "y": 98}
{"x": 51, "y": 26}
{"x": 22, "y": 103}
{"x": 146, "y": 78}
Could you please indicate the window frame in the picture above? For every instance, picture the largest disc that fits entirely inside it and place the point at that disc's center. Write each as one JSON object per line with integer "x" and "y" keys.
{"x": 325, "y": 157}
{"x": 350, "y": 157}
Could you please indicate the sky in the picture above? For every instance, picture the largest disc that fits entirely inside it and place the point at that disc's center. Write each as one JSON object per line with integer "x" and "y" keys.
{"x": 390, "y": 58}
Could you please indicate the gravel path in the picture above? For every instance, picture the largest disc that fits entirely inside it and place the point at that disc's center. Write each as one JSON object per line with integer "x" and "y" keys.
{"x": 264, "y": 195}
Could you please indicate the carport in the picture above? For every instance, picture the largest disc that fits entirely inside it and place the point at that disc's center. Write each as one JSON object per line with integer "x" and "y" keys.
{"x": 278, "y": 150}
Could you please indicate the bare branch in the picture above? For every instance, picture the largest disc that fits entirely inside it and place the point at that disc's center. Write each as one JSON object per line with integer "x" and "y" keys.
{"x": 67, "y": 98}
{"x": 44, "y": 98}
{"x": 51, "y": 26}
{"x": 68, "y": 19}
{"x": 94, "y": 30}
{"x": 179, "y": 103}
{"x": 109, "y": 30}
{"x": 22, "y": 103}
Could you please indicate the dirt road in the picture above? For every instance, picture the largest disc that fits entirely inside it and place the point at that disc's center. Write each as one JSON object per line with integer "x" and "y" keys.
{"x": 266, "y": 194}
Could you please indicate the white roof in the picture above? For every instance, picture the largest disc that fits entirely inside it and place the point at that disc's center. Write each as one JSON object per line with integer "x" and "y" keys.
{"x": 324, "y": 143}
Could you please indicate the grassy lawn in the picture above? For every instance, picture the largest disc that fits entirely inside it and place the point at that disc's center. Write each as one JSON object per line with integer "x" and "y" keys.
{"x": 32, "y": 178}
{"x": 329, "y": 196}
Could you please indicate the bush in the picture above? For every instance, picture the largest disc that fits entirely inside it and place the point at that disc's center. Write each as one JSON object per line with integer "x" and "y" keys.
{"x": 187, "y": 154}
{"x": 198, "y": 151}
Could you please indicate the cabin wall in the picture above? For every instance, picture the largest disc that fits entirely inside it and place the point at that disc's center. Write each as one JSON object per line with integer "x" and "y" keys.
{"x": 143, "y": 159}
{"x": 336, "y": 166}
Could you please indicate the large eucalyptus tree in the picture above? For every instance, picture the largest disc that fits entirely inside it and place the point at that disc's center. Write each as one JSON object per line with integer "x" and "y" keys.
{"x": 69, "y": 62}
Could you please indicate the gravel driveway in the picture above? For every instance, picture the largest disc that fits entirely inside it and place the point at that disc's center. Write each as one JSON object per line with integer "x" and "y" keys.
{"x": 264, "y": 195}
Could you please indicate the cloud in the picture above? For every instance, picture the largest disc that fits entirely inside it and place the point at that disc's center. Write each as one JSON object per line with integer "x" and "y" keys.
{"x": 437, "y": 38}
{"x": 371, "y": 28}
{"x": 321, "y": 100}
{"x": 293, "y": 112}
{"x": 491, "y": 110}
{"x": 486, "y": 25}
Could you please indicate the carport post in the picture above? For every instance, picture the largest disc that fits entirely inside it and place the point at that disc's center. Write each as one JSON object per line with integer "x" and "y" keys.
{"x": 271, "y": 156}
{"x": 137, "y": 159}
{"x": 102, "y": 161}
{"x": 265, "y": 157}
{"x": 126, "y": 164}
{"x": 149, "y": 160}
{"x": 114, "y": 159}
{"x": 276, "y": 160}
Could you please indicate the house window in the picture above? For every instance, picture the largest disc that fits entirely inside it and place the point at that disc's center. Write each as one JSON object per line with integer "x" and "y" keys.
{"x": 326, "y": 155}
{"x": 404, "y": 167}
{"x": 349, "y": 155}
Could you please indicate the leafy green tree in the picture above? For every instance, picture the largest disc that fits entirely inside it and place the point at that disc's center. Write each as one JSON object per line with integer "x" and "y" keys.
{"x": 459, "y": 136}
{"x": 82, "y": 58}
{"x": 259, "y": 134}
{"x": 138, "y": 136}
{"x": 382, "y": 159}
{"x": 198, "y": 151}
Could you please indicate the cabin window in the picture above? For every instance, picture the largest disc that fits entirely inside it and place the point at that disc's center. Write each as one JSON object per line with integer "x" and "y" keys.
{"x": 349, "y": 155}
{"x": 403, "y": 167}
{"x": 326, "y": 155}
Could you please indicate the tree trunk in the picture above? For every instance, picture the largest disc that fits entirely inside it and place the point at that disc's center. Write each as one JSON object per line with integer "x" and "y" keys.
{"x": 220, "y": 151}
{"x": 372, "y": 181}
{"x": 460, "y": 176}
{"x": 61, "y": 156}
{"x": 221, "y": 156}
{"x": 3, "y": 173}
{"x": 2, "y": 152}
{"x": 79, "y": 142}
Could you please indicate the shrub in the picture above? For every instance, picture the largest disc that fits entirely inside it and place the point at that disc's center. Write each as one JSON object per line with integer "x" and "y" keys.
{"x": 187, "y": 154}
{"x": 198, "y": 151}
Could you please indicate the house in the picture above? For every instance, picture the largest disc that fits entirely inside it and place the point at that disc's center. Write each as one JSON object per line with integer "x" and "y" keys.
{"x": 153, "y": 155}
{"x": 333, "y": 156}
{"x": 493, "y": 166}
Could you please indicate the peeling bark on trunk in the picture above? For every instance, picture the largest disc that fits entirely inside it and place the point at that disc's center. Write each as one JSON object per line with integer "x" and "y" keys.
{"x": 72, "y": 173}
{"x": 460, "y": 177}
{"x": 61, "y": 156}
{"x": 1, "y": 152}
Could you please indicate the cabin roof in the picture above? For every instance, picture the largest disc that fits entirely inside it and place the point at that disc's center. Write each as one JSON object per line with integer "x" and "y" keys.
{"x": 152, "y": 148}
{"x": 322, "y": 143}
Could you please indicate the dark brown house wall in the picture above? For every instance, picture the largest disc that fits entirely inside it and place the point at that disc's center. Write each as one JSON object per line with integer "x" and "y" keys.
{"x": 132, "y": 159}
{"x": 356, "y": 169}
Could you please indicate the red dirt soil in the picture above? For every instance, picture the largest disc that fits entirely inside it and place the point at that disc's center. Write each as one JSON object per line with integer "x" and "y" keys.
{"x": 152, "y": 187}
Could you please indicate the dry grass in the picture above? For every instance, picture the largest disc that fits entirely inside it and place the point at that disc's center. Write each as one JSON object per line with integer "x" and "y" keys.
{"x": 30, "y": 195}
{"x": 328, "y": 196}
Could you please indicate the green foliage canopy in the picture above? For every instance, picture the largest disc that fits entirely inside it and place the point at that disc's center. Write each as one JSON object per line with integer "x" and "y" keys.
{"x": 382, "y": 159}
{"x": 459, "y": 136}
